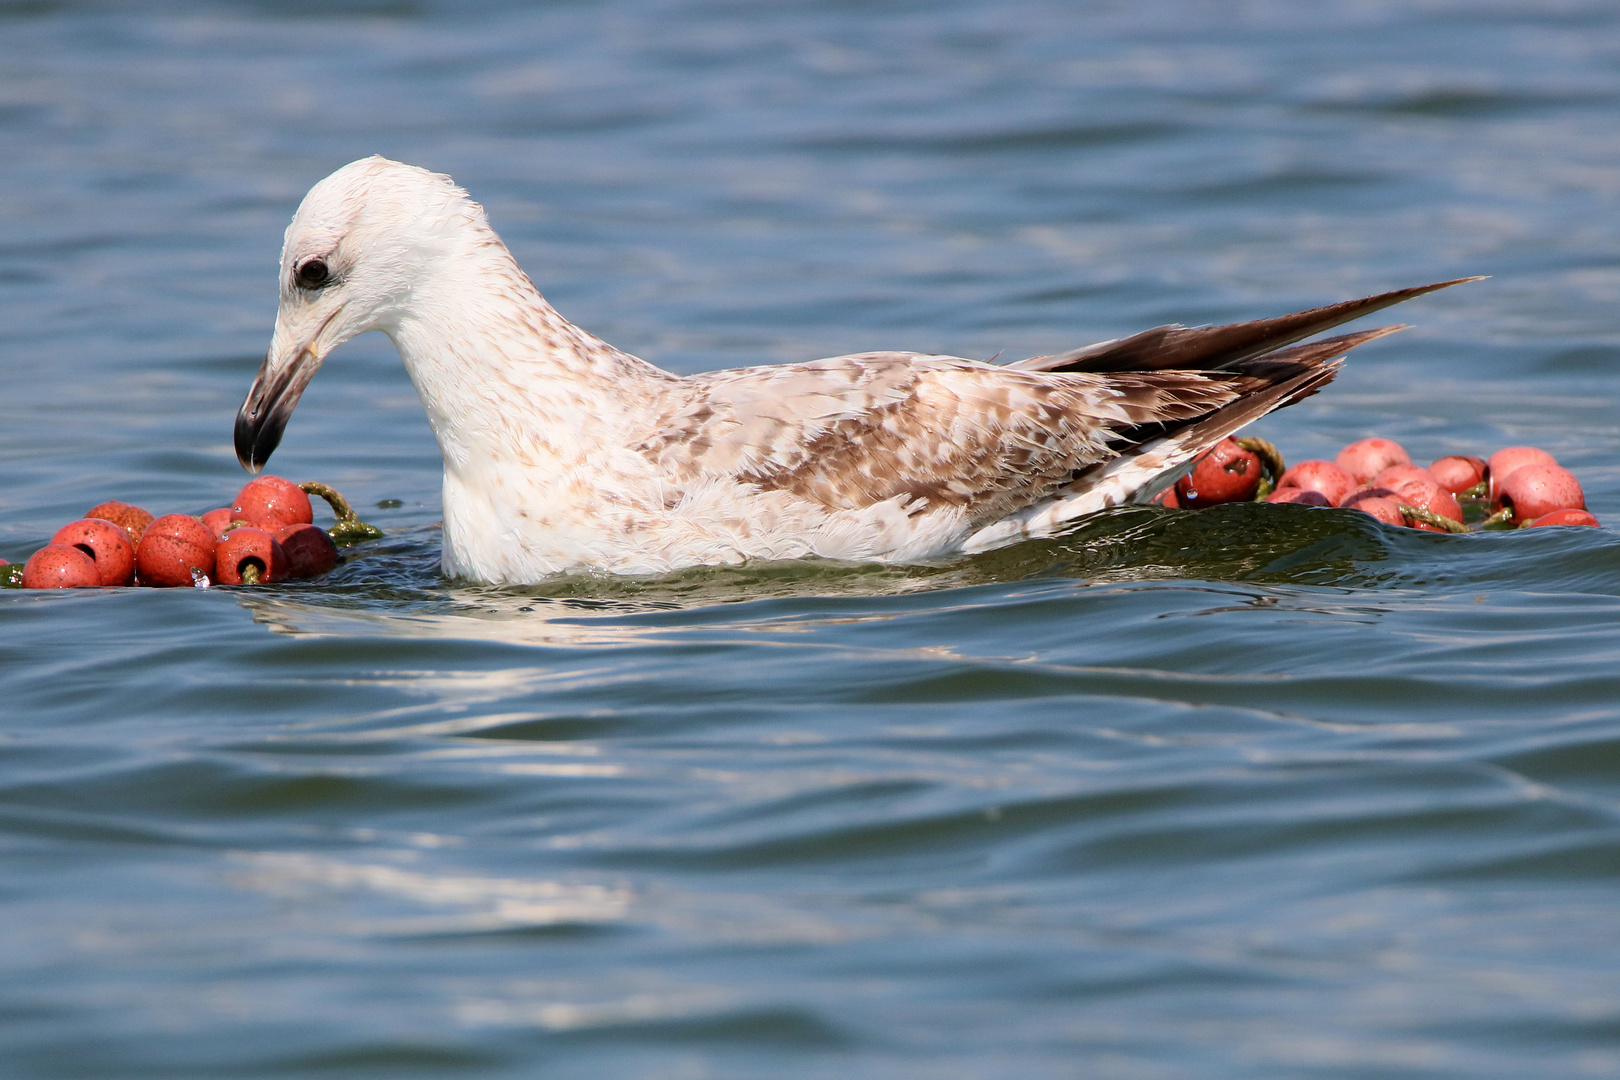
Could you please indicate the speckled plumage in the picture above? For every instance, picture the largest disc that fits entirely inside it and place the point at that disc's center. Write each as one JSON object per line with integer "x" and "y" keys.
{"x": 562, "y": 452}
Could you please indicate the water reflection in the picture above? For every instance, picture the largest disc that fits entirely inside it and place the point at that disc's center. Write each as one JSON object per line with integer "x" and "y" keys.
{"x": 461, "y": 903}
{"x": 393, "y": 589}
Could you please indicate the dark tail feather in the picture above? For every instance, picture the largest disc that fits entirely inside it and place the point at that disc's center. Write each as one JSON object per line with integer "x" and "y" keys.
{"x": 1278, "y": 366}
{"x": 1214, "y": 348}
{"x": 1268, "y": 383}
{"x": 1294, "y": 374}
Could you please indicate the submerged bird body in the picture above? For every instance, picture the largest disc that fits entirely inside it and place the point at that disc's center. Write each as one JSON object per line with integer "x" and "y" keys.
{"x": 562, "y": 452}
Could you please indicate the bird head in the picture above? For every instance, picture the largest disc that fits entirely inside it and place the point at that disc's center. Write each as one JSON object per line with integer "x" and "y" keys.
{"x": 360, "y": 244}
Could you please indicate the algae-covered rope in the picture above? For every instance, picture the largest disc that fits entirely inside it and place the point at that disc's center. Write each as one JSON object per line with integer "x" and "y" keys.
{"x": 1429, "y": 517}
{"x": 349, "y": 529}
{"x": 1272, "y": 465}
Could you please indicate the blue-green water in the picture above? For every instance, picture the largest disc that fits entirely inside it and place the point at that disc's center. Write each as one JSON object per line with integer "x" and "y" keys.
{"x": 1251, "y": 792}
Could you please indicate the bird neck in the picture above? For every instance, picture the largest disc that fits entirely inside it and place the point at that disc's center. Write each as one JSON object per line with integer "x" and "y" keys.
{"x": 504, "y": 378}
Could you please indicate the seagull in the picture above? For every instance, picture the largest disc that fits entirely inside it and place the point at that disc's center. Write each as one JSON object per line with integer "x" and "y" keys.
{"x": 563, "y": 453}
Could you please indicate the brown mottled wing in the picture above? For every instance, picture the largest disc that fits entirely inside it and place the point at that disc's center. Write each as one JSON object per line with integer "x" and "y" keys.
{"x": 936, "y": 431}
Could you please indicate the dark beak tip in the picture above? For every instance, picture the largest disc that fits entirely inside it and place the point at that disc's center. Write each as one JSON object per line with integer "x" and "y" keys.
{"x": 255, "y": 440}
{"x": 267, "y": 408}
{"x": 243, "y": 438}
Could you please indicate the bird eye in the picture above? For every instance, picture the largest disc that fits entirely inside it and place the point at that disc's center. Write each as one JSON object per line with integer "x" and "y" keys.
{"x": 313, "y": 274}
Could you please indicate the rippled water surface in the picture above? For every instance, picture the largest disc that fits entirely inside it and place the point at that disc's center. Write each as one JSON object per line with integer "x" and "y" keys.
{"x": 1249, "y": 792}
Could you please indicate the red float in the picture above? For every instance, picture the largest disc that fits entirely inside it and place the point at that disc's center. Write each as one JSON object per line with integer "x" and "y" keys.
{"x": 60, "y": 566}
{"x": 1227, "y": 473}
{"x": 249, "y": 555}
{"x": 310, "y": 551}
{"x": 1301, "y": 496}
{"x": 1457, "y": 473}
{"x": 1415, "y": 487}
{"x": 271, "y": 503}
{"x": 1323, "y": 476}
{"x": 1381, "y": 507}
{"x": 1506, "y": 462}
{"x": 1563, "y": 517}
{"x": 218, "y": 521}
{"x": 175, "y": 549}
{"x": 132, "y": 519}
{"x": 1366, "y": 458}
{"x": 108, "y": 546}
{"x": 1534, "y": 491}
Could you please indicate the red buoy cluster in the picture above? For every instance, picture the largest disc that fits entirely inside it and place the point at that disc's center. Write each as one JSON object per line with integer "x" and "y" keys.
{"x": 266, "y": 535}
{"x": 1521, "y": 486}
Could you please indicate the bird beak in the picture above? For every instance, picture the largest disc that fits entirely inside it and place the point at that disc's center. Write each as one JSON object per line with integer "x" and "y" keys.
{"x": 270, "y": 403}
